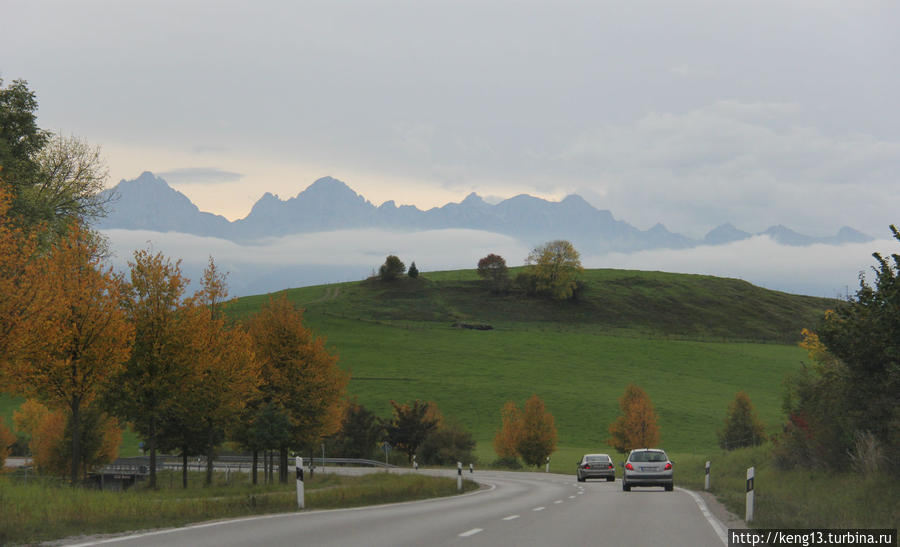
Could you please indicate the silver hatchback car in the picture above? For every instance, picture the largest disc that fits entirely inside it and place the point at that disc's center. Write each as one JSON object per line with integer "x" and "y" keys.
{"x": 595, "y": 466}
{"x": 648, "y": 467}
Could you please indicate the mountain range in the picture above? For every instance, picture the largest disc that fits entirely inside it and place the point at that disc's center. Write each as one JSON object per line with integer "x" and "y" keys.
{"x": 149, "y": 203}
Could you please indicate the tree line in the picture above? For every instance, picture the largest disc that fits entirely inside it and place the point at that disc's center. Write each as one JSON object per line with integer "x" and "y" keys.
{"x": 92, "y": 350}
{"x": 92, "y": 346}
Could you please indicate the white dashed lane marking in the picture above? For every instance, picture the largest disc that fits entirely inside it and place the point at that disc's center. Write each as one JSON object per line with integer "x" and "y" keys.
{"x": 471, "y": 532}
{"x": 511, "y": 517}
{"x": 539, "y": 508}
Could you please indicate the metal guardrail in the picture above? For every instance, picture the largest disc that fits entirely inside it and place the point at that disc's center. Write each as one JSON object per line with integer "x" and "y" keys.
{"x": 141, "y": 465}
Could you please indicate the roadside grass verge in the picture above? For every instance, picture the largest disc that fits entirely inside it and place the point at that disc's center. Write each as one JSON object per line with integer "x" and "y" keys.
{"x": 43, "y": 510}
{"x": 797, "y": 498}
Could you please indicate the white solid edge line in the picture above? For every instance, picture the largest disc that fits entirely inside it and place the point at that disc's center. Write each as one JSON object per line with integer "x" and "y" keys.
{"x": 471, "y": 532}
{"x": 717, "y": 526}
{"x": 140, "y": 535}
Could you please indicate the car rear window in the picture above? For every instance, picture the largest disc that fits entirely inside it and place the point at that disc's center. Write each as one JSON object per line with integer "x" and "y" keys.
{"x": 648, "y": 456}
{"x": 597, "y": 459}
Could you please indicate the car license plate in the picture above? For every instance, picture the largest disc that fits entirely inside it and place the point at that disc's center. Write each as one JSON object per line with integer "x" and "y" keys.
{"x": 649, "y": 468}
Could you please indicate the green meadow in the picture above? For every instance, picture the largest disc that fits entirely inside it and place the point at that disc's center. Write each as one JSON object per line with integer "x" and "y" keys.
{"x": 691, "y": 342}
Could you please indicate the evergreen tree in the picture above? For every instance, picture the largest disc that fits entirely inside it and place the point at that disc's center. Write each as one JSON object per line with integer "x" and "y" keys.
{"x": 742, "y": 425}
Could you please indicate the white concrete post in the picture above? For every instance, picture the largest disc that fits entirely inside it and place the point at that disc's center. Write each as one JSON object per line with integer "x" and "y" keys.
{"x": 301, "y": 502}
{"x": 706, "y": 480}
{"x": 749, "y": 513}
{"x": 459, "y": 476}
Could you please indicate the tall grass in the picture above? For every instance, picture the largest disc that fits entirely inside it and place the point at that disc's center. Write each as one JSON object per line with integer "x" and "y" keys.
{"x": 797, "y": 498}
{"x": 44, "y": 509}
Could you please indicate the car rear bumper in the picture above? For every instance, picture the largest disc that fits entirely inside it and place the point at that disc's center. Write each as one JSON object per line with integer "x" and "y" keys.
{"x": 662, "y": 479}
{"x": 597, "y": 473}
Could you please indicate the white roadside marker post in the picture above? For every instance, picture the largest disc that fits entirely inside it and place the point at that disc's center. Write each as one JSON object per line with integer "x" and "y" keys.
{"x": 749, "y": 512}
{"x": 301, "y": 502}
{"x": 471, "y": 468}
{"x": 458, "y": 476}
{"x": 547, "y": 469}
{"x": 706, "y": 480}
{"x": 415, "y": 463}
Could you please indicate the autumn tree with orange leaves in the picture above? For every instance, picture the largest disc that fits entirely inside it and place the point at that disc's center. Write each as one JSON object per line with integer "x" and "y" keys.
{"x": 529, "y": 433}
{"x": 86, "y": 340}
{"x": 50, "y": 433}
{"x": 636, "y": 427}
{"x": 24, "y": 298}
{"x": 299, "y": 375}
{"x": 537, "y": 435}
{"x": 7, "y": 440}
{"x": 505, "y": 440}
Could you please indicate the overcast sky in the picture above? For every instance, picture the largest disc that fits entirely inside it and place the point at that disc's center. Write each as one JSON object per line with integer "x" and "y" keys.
{"x": 689, "y": 113}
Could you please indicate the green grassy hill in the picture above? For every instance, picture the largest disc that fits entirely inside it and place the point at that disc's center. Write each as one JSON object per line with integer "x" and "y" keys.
{"x": 690, "y": 341}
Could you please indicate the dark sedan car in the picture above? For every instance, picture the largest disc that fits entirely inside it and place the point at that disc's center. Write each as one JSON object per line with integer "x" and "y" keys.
{"x": 647, "y": 467}
{"x": 596, "y": 466}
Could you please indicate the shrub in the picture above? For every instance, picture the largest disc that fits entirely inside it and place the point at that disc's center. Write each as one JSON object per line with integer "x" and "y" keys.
{"x": 392, "y": 268}
{"x": 493, "y": 269}
{"x": 447, "y": 445}
{"x": 507, "y": 463}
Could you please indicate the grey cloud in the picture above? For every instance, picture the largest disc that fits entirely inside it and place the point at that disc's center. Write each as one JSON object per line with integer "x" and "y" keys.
{"x": 317, "y": 258}
{"x": 752, "y": 164}
{"x": 818, "y": 270}
{"x": 308, "y": 259}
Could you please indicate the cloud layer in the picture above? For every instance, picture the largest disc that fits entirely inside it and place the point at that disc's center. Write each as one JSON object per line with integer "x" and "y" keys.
{"x": 349, "y": 255}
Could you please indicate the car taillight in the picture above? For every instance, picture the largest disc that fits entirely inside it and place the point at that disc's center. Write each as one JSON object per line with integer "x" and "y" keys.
{"x": 668, "y": 466}
{"x": 610, "y": 466}
{"x": 587, "y": 466}
{"x": 629, "y": 467}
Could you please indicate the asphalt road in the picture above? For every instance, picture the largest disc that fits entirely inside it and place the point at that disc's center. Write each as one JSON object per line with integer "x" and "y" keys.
{"x": 518, "y": 509}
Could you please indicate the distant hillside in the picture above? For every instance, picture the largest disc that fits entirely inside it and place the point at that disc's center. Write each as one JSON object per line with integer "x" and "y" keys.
{"x": 682, "y": 338}
{"x": 616, "y": 301}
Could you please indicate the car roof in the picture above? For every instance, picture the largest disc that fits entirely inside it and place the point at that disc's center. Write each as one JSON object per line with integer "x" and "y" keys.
{"x": 596, "y": 455}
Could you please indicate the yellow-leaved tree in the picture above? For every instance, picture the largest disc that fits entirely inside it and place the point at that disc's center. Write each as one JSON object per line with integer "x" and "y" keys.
{"x": 24, "y": 298}
{"x": 505, "y": 440}
{"x": 85, "y": 342}
{"x": 299, "y": 375}
{"x": 557, "y": 268}
{"x": 225, "y": 373}
{"x": 636, "y": 427}
{"x": 529, "y": 433}
{"x": 149, "y": 386}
